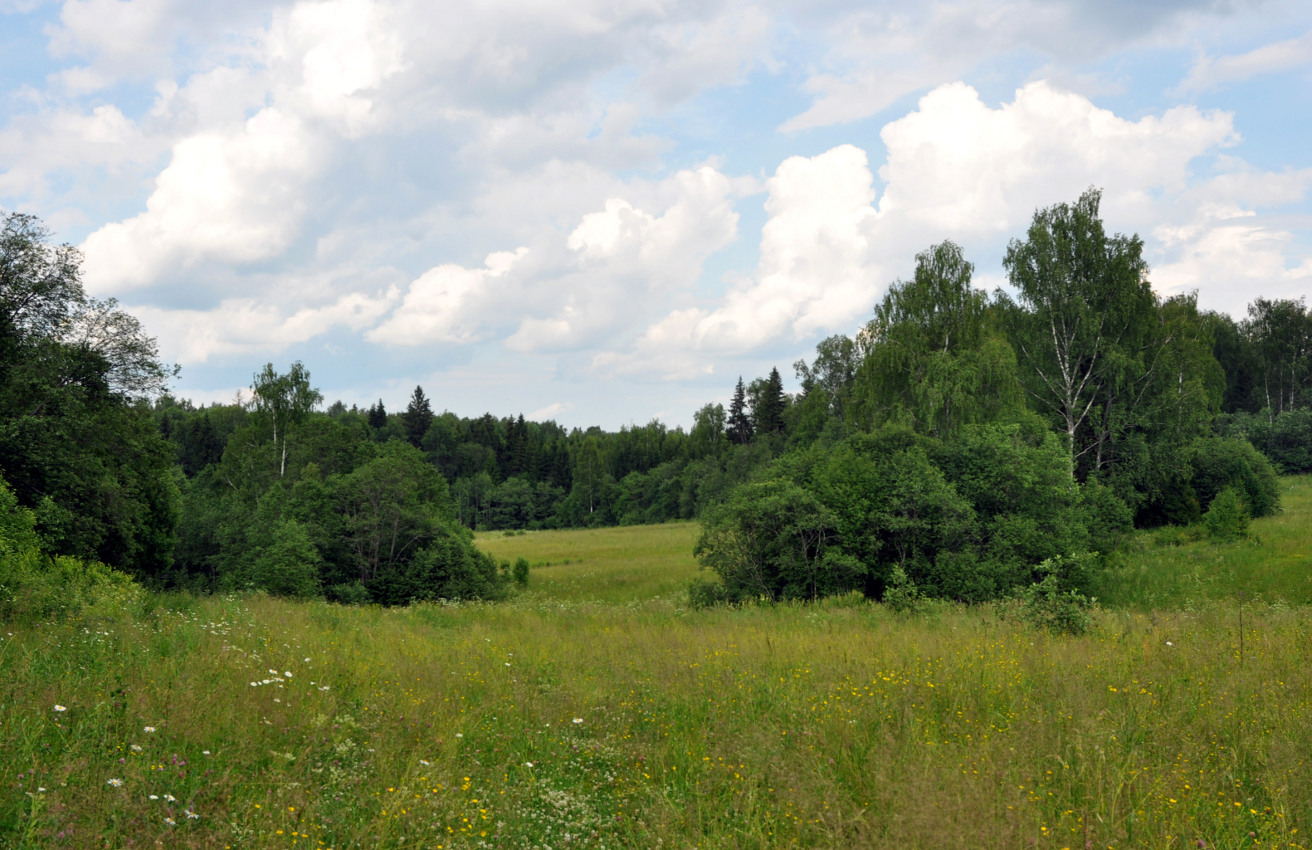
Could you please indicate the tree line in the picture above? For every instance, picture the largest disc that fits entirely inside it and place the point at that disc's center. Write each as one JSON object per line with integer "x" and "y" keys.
{"x": 959, "y": 439}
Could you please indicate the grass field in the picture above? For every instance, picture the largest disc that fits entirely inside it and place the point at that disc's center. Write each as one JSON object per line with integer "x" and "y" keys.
{"x": 597, "y": 710}
{"x": 618, "y": 565}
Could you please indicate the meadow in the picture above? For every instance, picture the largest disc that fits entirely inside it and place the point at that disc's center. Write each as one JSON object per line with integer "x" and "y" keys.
{"x": 596, "y": 709}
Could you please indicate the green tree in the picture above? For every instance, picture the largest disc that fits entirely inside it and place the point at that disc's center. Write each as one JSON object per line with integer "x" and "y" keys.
{"x": 378, "y": 416}
{"x": 739, "y": 424}
{"x": 281, "y": 403}
{"x": 931, "y": 357}
{"x": 418, "y": 417}
{"x": 771, "y": 540}
{"x": 78, "y": 442}
{"x": 1088, "y": 331}
{"x": 1280, "y": 333}
{"x": 768, "y": 404}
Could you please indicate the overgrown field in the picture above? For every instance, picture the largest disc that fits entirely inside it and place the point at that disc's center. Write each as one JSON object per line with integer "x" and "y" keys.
{"x": 598, "y": 710}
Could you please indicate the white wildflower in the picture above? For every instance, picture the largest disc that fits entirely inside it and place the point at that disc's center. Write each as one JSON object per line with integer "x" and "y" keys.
{"x": 60, "y": 708}
{"x": 114, "y": 782}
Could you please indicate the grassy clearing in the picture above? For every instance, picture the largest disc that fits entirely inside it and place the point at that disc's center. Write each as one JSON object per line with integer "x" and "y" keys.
{"x": 578, "y": 716}
{"x": 603, "y": 564}
{"x": 1170, "y": 569}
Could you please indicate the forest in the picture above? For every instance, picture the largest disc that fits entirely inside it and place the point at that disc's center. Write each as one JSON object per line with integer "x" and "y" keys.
{"x": 961, "y": 445}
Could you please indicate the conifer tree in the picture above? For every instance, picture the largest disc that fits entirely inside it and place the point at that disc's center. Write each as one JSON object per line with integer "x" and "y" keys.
{"x": 739, "y": 426}
{"x": 769, "y": 412}
{"x": 378, "y": 416}
{"x": 417, "y": 417}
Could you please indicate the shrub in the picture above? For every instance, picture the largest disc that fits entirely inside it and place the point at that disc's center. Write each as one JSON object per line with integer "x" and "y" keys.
{"x": 1052, "y": 604}
{"x": 709, "y": 594}
{"x": 521, "y": 571}
{"x": 1227, "y": 518}
{"x": 901, "y": 594}
{"x": 1220, "y": 462}
{"x": 35, "y": 585}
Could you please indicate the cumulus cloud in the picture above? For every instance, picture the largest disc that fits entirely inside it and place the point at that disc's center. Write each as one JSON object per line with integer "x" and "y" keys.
{"x": 249, "y": 325}
{"x": 230, "y": 198}
{"x": 959, "y": 167}
{"x": 956, "y": 168}
{"x": 591, "y": 283}
{"x": 445, "y": 305}
{"x": 36, "y": 146}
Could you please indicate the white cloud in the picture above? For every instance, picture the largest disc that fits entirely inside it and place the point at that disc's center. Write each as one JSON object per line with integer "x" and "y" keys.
{"x": 955, "y": 168}
{"x": 230, "y": 198}
{"x": 1209, "y": 73}
{"x": 36, "y": 146}
{"x": 1229, "y": 256}
{"x": 248, "y": 325}
{"x": 878, "y": 54}
{"x": 551, "y": 411}
{"x": 445, "y": 304}
{"x": 959, "y": 167}
{"x": 338, "y": 53}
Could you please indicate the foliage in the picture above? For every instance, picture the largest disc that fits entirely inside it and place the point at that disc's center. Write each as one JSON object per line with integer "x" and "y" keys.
{"x": 1285, "y": 438}
{"x": 37, "y": 585}
{"x": 1219, "y": 463}
{"x": 770, "y": 540}
{"x": 932, "y": 358}
{"x": 1053, "y": 604}
{"x": 901, "y": 594}
{"x": 77, "y": 444}
{"x": 1227, "y": 518}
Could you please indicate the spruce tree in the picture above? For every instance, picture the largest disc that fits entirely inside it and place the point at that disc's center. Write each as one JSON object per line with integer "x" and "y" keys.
{"x": 417, "y": 417}
{"x": 739, "y": 426}
{"x": 770, "y": 418}
{"x": 378, "y": 416}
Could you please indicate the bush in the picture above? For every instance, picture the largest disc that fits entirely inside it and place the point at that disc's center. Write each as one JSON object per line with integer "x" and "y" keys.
{"x": 901, "y": 595}
{"x": 1227, "y": 518}
{"x": 35, "y": 585}
{"x": 1051, "y": 604}
{"x": 348, "y": 594}
{"x": 521, "y": 572}
{"x": 1220, "y": 462}
{"x": 709, "y": 594}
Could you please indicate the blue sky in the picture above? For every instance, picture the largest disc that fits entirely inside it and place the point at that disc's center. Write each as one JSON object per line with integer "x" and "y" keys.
{"x": 604, "y": 212}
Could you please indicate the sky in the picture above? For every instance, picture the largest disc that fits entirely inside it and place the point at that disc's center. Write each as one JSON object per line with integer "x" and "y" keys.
{"x": 606, "y": 211}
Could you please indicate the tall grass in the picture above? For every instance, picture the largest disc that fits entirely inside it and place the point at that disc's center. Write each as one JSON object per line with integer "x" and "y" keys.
{"x": 568, "y": 718}
{"x": 1174, "y": 568}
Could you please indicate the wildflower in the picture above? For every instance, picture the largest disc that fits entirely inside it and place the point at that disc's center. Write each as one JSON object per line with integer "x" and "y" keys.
{"x": 528, "y": 764}
{"x": 288, "y": 674}
{"x": 424, "y": 762}
{"x": 170, "y": 798}
{"x": 154, "y": 796}
{"x": 136, "y": 748}
{"x": 170, "y": 821}
{"x": 148, "y": 729}
{"x": 578, "y": 719}
{"x": 60, "y": 708}
{"x": 40, "y": 790}
{"x": 1168, "y": 643}
{"x": 114, "y": 782}
{"x": 459, "y": 735}
{"x": 192, "y": 815}
{"x": 205, "y": 752}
